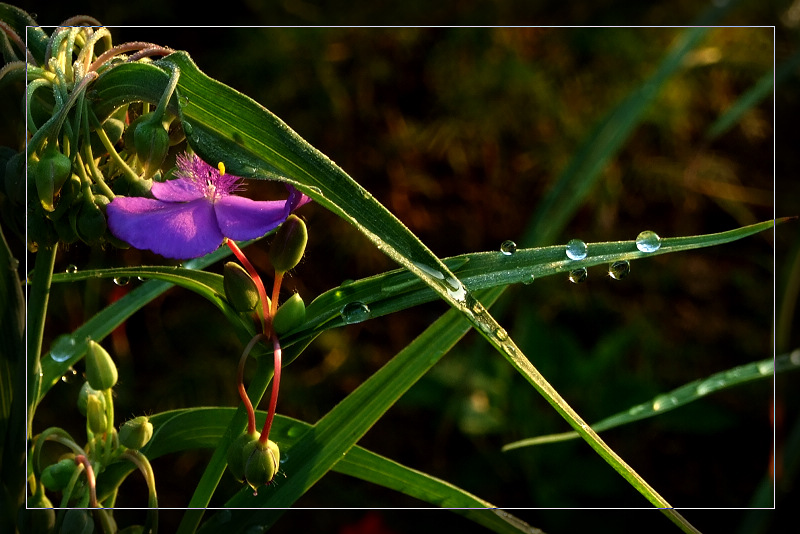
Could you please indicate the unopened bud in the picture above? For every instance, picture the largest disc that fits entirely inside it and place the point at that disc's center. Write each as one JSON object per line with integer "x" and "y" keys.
{"x": 56, "y": 476}
{"x": 50, "y": 173}
{"x": 100, "y": 369}
{"x": 240, "y": 289}
{"x": 135, "y": 433}
{"x": 152, "y": 144}
{"x": 262, "y": 463}
{"x": 113, "y": 129}
{"x": 83, "y": 398}
{"x": 289, "y": 244}
{"x": 236, "y": 457}
{"x": 95, "y": 415}
{"x": 290, "y": 315}
{"x": 91, "y": 221}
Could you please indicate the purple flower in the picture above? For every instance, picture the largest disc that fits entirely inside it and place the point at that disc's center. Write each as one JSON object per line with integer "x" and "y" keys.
{"x": 192, "y": 214}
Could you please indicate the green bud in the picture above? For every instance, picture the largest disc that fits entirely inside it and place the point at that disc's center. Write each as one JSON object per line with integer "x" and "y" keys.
{"x": 70, "y": 193}
{"x": 114, "y": 129}
{"x": 262, "y": 462}
{"x": 101, "y": 372}
{"x": 50, "y": 174}
{"x": 289, "y": 244}
{"x": 96, "y": 415}
{"x": 91, "y": 221}
{"x": 135, "y": 433}
{"x": 152, "y": 144}
{"x": 83, "y": 397}
{"x": 290, "y": 315}
{"x": 240, "y": 289}
{"x": 56, "y": 476}
{"x": 77, "y": 521}
{"x": 236, "y": 457}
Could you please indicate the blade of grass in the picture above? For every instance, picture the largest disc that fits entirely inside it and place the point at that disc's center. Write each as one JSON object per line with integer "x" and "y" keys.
{"x": 678, "y": 397}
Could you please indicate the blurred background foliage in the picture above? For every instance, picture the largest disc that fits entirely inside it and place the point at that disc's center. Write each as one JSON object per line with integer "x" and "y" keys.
{"x": 461, "y": 132}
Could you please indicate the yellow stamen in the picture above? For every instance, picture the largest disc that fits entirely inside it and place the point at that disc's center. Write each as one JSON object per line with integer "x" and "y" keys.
{"x": 221, "y": 167}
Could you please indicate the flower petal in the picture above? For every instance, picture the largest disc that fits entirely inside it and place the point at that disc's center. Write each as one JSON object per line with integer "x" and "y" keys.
{"x": 296, "y": 198}
{"x": 241, "y": 218}
{"x": 177, "y": 190}
{"x": 174, "y": 230}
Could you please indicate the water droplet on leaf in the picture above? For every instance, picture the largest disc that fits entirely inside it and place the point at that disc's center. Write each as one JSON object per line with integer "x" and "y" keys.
{"x": 122, "y": 280}
{"x": 69, "y": 376}
{"x": 71, "y": 269}
{"x": 577, "y": 276}
{"x": 576, "y": 249}
{"x": 648, "y": 241}
{"x": 355, "y": 312}
{"x": 619, "y": 269}
{"x": 663, "y": 402}
{"x": 508, "y": 247}
{"x": 63, "y": 348}
{"x": 501, "y": 334}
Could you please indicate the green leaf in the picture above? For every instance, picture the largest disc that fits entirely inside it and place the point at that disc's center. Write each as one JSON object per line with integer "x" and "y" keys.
{"x": 695, "y": 390}
{"x": 199, "y": 428}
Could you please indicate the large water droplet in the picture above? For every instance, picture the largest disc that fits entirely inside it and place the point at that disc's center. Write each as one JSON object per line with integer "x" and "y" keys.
{"x": 355, "y": 312}
{"x": 122, "y": 280}
{"x": 619, "y": 269}
{"x": 508, "y": 247}
{"x": 766, "y": 368}
{"x": 648, "y": 241}
{"x": 711, "y": 384}
{"x": 500, "y": 333}
{"x": 576, "y": 249}
{"x": 455, "y": 289}
{"x": 577, "y": 276}
{"x": 63, "y": 348}
{"x": 188, "y": 128}
{"x": 71, "y": 269}
{"x": 529, "y": 280}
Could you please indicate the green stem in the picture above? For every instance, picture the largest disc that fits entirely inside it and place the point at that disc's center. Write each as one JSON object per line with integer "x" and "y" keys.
{"x": 37, "y": 311}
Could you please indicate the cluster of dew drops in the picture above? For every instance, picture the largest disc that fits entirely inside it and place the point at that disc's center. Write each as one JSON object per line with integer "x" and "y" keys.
{"x": 647, "y": 241}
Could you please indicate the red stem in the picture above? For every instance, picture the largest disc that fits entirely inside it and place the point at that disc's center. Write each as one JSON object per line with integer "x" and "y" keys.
{"x": 276, "y": 382}
{"x": 266, "y": 312}
{"x": 248, "y": 406}
{"x": 81, "y": 459}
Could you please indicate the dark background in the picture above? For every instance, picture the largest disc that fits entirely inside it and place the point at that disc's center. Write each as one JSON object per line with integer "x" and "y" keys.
{"x": 460, "y": 132}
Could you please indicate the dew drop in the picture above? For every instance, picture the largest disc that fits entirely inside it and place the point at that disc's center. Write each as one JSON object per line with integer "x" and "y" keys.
{"x": 71, "y": 269}
{"x": 188, "y": 128}
{"x": 508, "y": 247}
{"x": 500, "y": 333}
{"x": 295, "y": 431}
{"x": 355, "y": 312}
{"x": 766, "y": 368}
{"x": 664, "y": 402}
{"x": 63, "y": 348}
{"x": 578, "y": 276}
{"x": 648, "y": 241}
{"x": 576, "y": 249}
{"x": 122, "y": 280}
{"x": 184, "y": 101}
{"x": 712, "y": 384}
{"x": 619, "y": 269}
{"x": 528, "y": 281}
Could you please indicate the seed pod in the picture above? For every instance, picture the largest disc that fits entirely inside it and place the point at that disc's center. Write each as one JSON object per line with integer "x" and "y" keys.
{"x": 240, "y": 289}
{"x": 56, "y": 476}
{"x": 91, "y": 222}
{"x": 261, "y": 464}
{"x": 152, "y": 144}
{"x": 290, "y": 315}
{"x": 135, "y": 433}
{"x": 101, "y": 373}
{"x": 114, "y": 129}
{"x": 289, "y": 244}
{"x": 236, "y": 457}
{"x": 50, "y": 174}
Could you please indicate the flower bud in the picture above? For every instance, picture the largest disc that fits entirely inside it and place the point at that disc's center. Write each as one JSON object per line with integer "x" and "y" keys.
{"x": 91, "y": 222}
{"x": 70, "y": 194}
{"x": 77, "y": 521}
{"x": 83, "y": 398}
{"x": 101, "y": 372}
{"x": 289, "y": 244}
{"x": 96, "y": 415}
{"x": 262, "y": 462}
{"x": 236, "y": 457}
{"x": 114, "y": 129}
{"x": 135, "y": 433}
{"x": 56, "y": 476}
{"x": 50, "y": 173}
{"x": 290, "y": 315}
{"x": 151, "y": 141}
{"x": 240, "y": 289}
